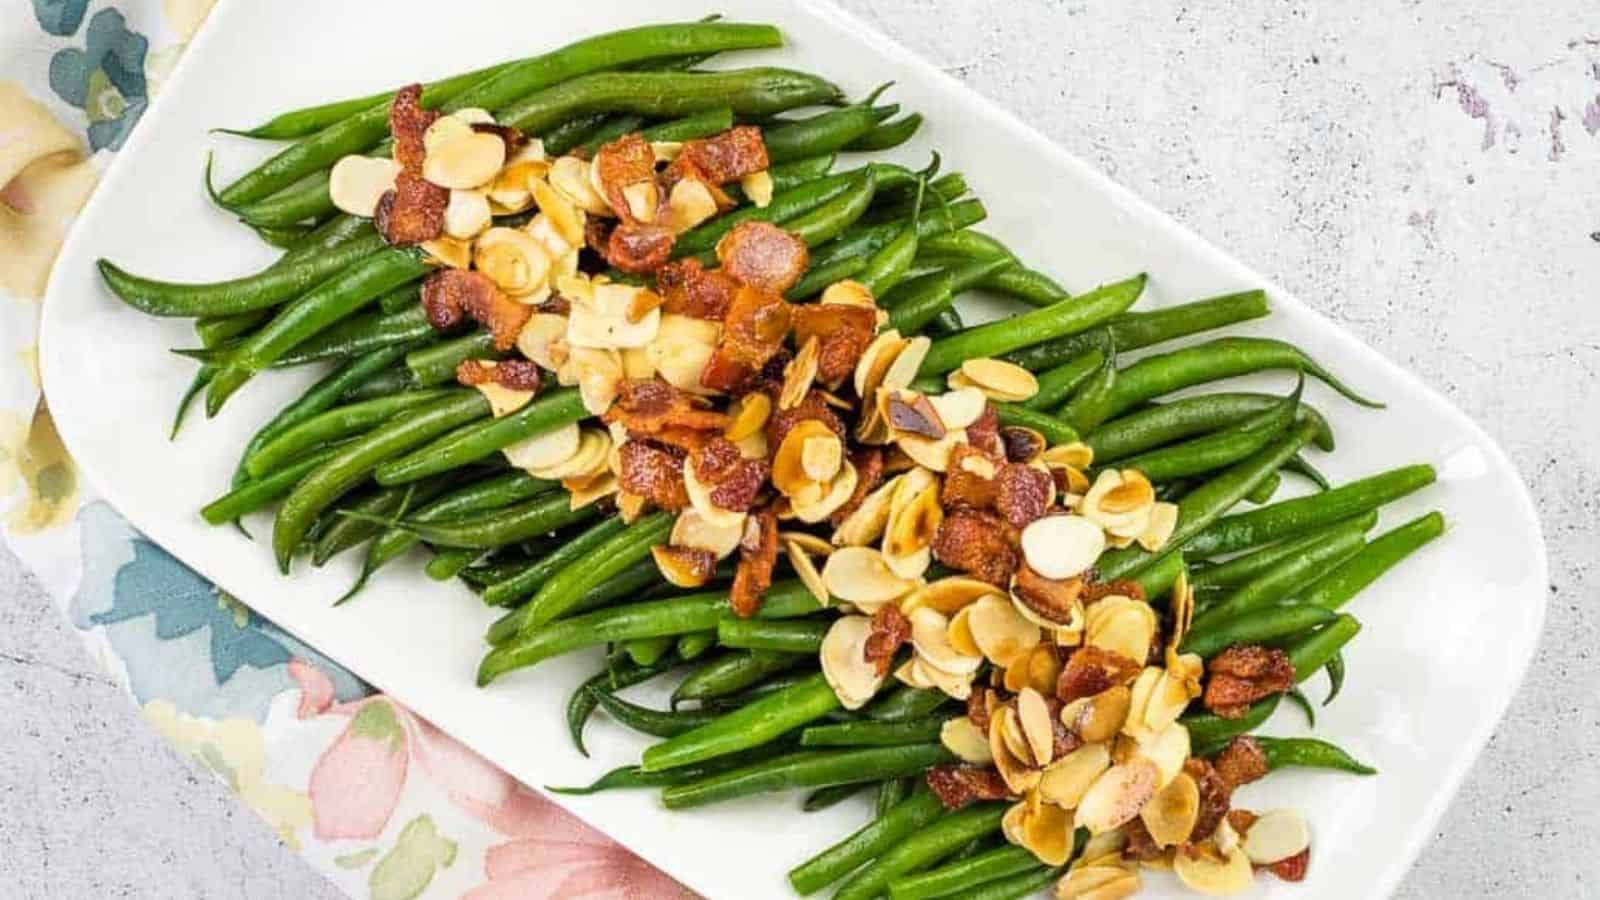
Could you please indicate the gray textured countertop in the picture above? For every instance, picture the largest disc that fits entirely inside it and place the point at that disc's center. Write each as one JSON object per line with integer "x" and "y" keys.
{"x": 1426, "y": 173}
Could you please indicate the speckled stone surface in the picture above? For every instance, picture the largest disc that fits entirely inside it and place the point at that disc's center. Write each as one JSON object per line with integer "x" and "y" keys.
{"x": 1427, "y": 173}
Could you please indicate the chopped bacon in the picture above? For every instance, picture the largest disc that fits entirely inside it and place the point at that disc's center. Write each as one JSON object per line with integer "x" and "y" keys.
{"x": 1053, "y": 598}
{"x": 691, "y": 290}
{"x": 976, "y": 543}
{"x": 958, "y": 785}
{"x": 1140, "y": 845}
{"x": 448, "y": 293}
{"x": 754, "y": 328}
{"x": 621, "y": 164}
{"x": 407, "y": 123}
{"x": 1123, "y": 587}
{"x": 597, "y": 233}
{"x": 1241, "y": 820}
{"x": 979, "y": 704}
{"x": 512, "y": 137}
{"x": 1241, "y": 675}
{"x": 1215, "y": 796}
{"x": 969, "y": 479}
{"x": 655, "y": 472}
{"x": 639, "y": 248}
{"x": 686, "y": 439}
{"x": 1091, "y": 670}
{"x": 1294, "y": 868}
{"x": 516, "y": 374}
{"x": 763, "y": 256}
{"x": 812, "y": 406}
{"x": 869, "y": 474}
{"x": 758, "y": 554}
{"x": 734, "y": 480}
{"x": 985, "y": 432}
{"x": 1241, "y": 762}
{"x": 843, "y": 333}
{"x": 652, "y": 407}
{"x": 1021, "y": 494}
{"x": 555, "y": 305}
{"x": 890, "y": 630}
{"x": 726, "y": 157}
{"x": 411, "y": 213}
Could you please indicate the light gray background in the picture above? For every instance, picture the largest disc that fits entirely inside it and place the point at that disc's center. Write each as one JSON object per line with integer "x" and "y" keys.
{"x": 1425, "y": 172}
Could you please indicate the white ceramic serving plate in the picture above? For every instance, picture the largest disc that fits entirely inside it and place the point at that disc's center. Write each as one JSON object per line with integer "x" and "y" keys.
{"x": 1427, "y": 679}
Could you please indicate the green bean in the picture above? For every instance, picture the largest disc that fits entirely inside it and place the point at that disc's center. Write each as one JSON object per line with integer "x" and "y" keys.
{"x": 611, "y": 128}
{"x": 336, "y": 232}
{"x": 818, "y": 278}
{"x": 1056, "y": 384}
{"x": 865, "y": 240}
{"x": 255, "y": 494}
{"x": 1264, "y": 492}
{"x": 1135, "y": 330}
{"x": 202, "y": 377}
{"x": 925, "y": 301}
{"x": 896, "y": 205}
{"x": 657, "y": 723}
{"x": 1165, "y": 423}
{"x": 959, "y": 877}
{"x": 282, "y": 237}
{"x": 1028, "y": 285}
{"x": 473, "y": 442}
{"x": 350, "y": 531}
{"x": 532, "y": 518}
{"x": 888, "y": 266}
{"x": 784, "y": 637}
{"x": 523, "y": 584}
{"x": 887, "y": 135}
{"x": 217, "y": 331}
{"x": 354, "y": 462}
{"x": 435, "y": 365}
{"x": 824, "y": 133}
{"x": 565, "y": 67}
{"x": 556, "y": 596}
{"x": 966, "y": 244}
{"x": 922, "y": 849}
{"x": 814, "y": 768}
{"x": 1157, "y": 579}
{"x": 388, "y": 381}
{"x": 905, "y": 703}
{"x": 1067, "y": 317}
{"x": 1091, "y": 404}
{"x": 634, "y": 777}
{"x": 1218, "y": 449}
{"x": 824, "y": 798}
{"x": 334, "y": 424}
{"x": 963, "y": 275}
{"x": 1257, "y": 626}
{"x": 1209, "y": 729}
{"x": 262, "y": 290}
{"x": 787, "y": 177}
{"x": 1309, "y": 753}
{"x": 1015, "y": 887}
{"x": 448, "y": 562}
{"x": 402, "y": 299}
{"x": 592, "y": 131}
{"x": 733, "y": 672}
{"x": 829, "y": 220}
{"x": 1286, "y": 578}
{"x": 1242, "y": 569}
{"x": 647, "y": 651}
{"x": 1312, "y": 651}
{"x": 1206, "y": 503}
{"x": 626, "y": 584}
{"x": 321, "y": 307}
{"x": 892, "y": 792}
{"x": 784, "y": 206}
{"x": 1335, "y": 670}
{"x": 746, "y": 727}
{"x": 871, "y": 840}
{"x": 700, "y": 124}
{"x": 612, "y": 678}
{"x": 1335, "y": 588}
{"x": 871, "y": 734}
{"x": 693, "y": 646}
{"x": 1054, "y": 430}
{"x": 1288, "y": 518}
{"x": 362, "y": 334}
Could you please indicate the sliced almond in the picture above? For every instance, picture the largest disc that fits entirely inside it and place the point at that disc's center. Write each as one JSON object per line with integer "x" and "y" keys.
{"x": 1000, "y": 632}
{"x": 844, "y": 662}
{"x": 948, "y": 595}
{"x": 1077, "y": 455}
{"x": 958, "y": 409}
{"x": 594, "y": 492}
{"x": 692, "y": 530}
{"x": 464, "y": 161}
{"x": 821, "y": 456}
{"x": 594, "y": 444}
{"x": 1117, "y": 796}
{"x": 747, "y": 414}
{"x": 1275, "y": 836}
{"x": 1000, "y": 380}
{"x": 1061, "y": 547}
{"x": 912, "y": 527}
{"x": 757, "y": 187}
{"x": 1163, "y": 521}
{"x": 444, "y": 129}
{"x": 1134, "y": 493}
{"x": 867, "y": 523}
{"x": 1033, "y": 715}
{"x": 1101, "y": 716}
{"x": 1171, "y": 813}
{"x": 357, "y": 182}
{"x": 511, "y": 191}
{"x": 1167, "y": 751}
{"x": 690, "y": 204}
{"x": 859, "y": 575}
{"x": 1020, "y": 777}
{"x": 599, "y": 376}
{"x": 1168, "y": 699}
{"x": 838, "y": 493}
{"x": 518, "y": 264}
{"x": 1121, "y": 625}
{"x": 682, "y": 347}
{"x": 930, "y": 454}
{"x": 960, "y": 632}
{"x": 570, "y": 176}
{"x": 602, "y": 320}
{"x": 477, "y": 115}
{"x": 800, "y": 374}
{"x": 848, "y": 293}
{"x": 1109, "y": 882}
{"x": 788, "y": 467}
{"x": 636, "y": 364}
{"x": 1047, "y": 834}
{"x": 543, "y": 340}
{"x": 546, "y": 448}
{"x": 966, "y": 741}
{"x": 666, "y": 151}
{"x": 467, "y": 214}
{"x": 449, "y": 252}
{"x": 806, "y": 570}
{"x": 503, "y": 401}
{"x": 700, "y": 498}
{"x": 682, "y": 567}
{"x": 930, "y": 635}
{"x": 643, "y": 199}
{"x": 565, "y": 216}
{"x": 875, "y": 362}
{"x": 907, "y": 363}
{"x": 1213, "y": 873}
{"x": 1044, "y": 669}
{"x": 1067, "y": 779}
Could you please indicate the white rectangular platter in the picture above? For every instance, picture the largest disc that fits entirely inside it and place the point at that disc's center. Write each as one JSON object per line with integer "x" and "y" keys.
{"x": 1446, "y": 638}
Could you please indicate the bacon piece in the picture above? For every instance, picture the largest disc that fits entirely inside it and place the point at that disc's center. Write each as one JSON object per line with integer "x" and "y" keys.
{"x": 1053, "y": 598}
{"x": 686, "y": 439}
{"x": 758, "y": 554}
{"x": 652, "y": 407}
{"x": 597, "y": 233}
{"x": 1294, "y": 868}
{"x": 621, "y": 164}
{"x": 1123, "y": 587}
{"x": 653, "y": 471}
{"x": 890, "y": 630}
{"x": 869, "y": 474}
{"x": 985, "y": 432}
{"x": 639, "y": 248}
{"x": 511, "y": 136}
{"x": 754, "y": 328}
{"x": 979, "y": 704}
{"x": 763, "y": 256}
{"x": 1241, "y": 675}
{"x": 411, "y": 213}
{"x": 555, "y": 305}
{"x": 958, "y": 785}
{"x": 1092, "y": 670}
{"x": 734, "y": 480}
{"x": 1021, "y": 494}
{"x": 1140, "y": 845}
{"x": 969, "y": 480}
{"x": 976, "y": 543}
{"x": 1215, "y": 795}
{"x": 812, "y": 406}
{"x": 448, "y": 293}
{"x": 1241, "y": 762}
{"x": 722, "y": 158}
{"x": 843, "y": 333}
{"x": 691, "y": 290}
{"x": 1241, "y": 820}
{"x": 516, "y": 374}
{"x": 407, "y": 123}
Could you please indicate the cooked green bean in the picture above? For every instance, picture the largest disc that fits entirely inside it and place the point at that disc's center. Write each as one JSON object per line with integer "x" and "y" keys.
{"x": 1286, "y": 578}
{"x": 1256, "y": 626}
{"x": 958, "y": 877}
{"x": 582, "y": 704}
{"x": 693, "y": 646}
{"x": 1135, "y": 330}
{"x": 436, "y": 364}
{"x": 1067, "y": 317}
{"x": 810, "y": 768}
{"x": 905, "y": 703}
{"x": 658, "y": 723}
{"x": 498, "y": 528}
{"x": 922, "y": 849}
{"x": 475, "y": 441}
{"x": 1054, "y": 430}
{"x": 871, "y": 734}
{"x": 1056, "y": 384}
{"x": 1309, "y": 753}
{"x": 523, "y": 584}
{"x": 334, "y": 424}
{"x": 887, "y": 135}
{"x": 1165, "y": 423}
{"x": 823, "y": 798}
{"x": 733, "y": 672}
{"x": 351, "y": 531}
{"x": 747, "y": 727}
{"x": 255, "y": 494}
{"x": 556, "y": 596}
{"x": 892, "y": 792}
{"x": 1335, "y": 588}
{"x": 648, "y": 651}
{"x": 364, "y": 333}
{"x": 870, "y": 841}
{"x": 1216, "y": 450}
{"x": 1243, "y": 568}
{"x": 784, "y": 637}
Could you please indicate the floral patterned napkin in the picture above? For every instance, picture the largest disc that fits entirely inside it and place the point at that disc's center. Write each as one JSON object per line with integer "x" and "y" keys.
{"x": 378, "y": 800}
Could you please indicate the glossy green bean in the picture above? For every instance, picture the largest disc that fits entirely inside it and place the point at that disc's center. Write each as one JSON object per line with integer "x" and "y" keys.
{"x": 217, "y": 331}
{"x": 823, "y": 133}
{"x": 628, "y": 584}
{"x": 351, "y": 531}
{"x": 336, "y": 232}
{"x": 785, "y": 178}
{"x": 958, "y": 877}
{"x": 257, "y": 493}
{"x": 582, "y": 704}
{"x": 905, "y": 703}
{"x": 524, "y": 583}
{"x": 631, "y": 545}
{"x": 1220, "y": 448}
{"x": 1241, "y": 569}
{"x": 865, "y": 240}
{"x": 1056, "y": 384}
{"x": 1068, "y": 317}
{"x": 473, "y": 442}
{"x": 892, "y": 792}
{"x": 1015, "y": 887}
{"x": 1164, "y": 423}
{"x": 829, "y": 220}
{"x": 784, "y": 206}
{"x": 1257, "y": 626}
{"x": 1266, "y": 490}
{"x": 362, "y": 334}
{"x": 382, "y": 383}
{"x": 1309, "y": 753}
{"x": 812, "y": 768}
{"x": 1287, "y": 578}
{"x": 436, "y": 364}
{"x": 693, "y": 646}
{"x": 746, "y": 727}
{"x": 824, "y": 798}
{"x": 647, "y": 651}
{"x": 657, "y": 723}
{"x": 871, "y": 734}
{"x": 887, "y": 135}
{"x": 870, "y": 841}
{"x": 1312, "y": 651}
{"x": 1136, "y": 330}
{"x": 1054, "y": 430}
{"x": 888, "y": 266}
{"x": 627, "y": 777}
{"x": 922, "y": 849}
{"x": 926, "y": 300}
{"x": 732, "y": 673}
{"x": 448, "y": 562}
{"x": 529, "y": 519}
{"x": 332, "y": 425}
{"x": 1335, "y": 588}
{"x": 784, "y": 637}
{"x": 1209, "y": 729}
{"x": 1157, "y": 579}
{"x": 1090, "y": 405}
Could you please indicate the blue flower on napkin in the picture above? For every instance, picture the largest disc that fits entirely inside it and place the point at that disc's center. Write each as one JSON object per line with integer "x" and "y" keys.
{"x": 105, "y": 79}
{"x": 59, "y": 17}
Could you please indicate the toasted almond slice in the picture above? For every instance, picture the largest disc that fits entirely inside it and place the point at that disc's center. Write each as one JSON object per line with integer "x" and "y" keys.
{"x": 948, "y": 595}
{"x": 357, "y": 182}
{"x": 1067, "y": 779}
{"x": 1171, "y": 813}
{"x": 503, "y": 401}
{"x": 1117, "y": 796}
{"x": 518, "y": 264}
{"x": 464, "y": 161}
{"x": 1181, "y": 605}
{"x": 963, "y": 738}
{"x": 1121, "y": 625}
{"x": 643, "y": 199}
{"x": 1044, "y": 669}
{"x": 680, "y": 566}
{"x": 594, "y": 444}
{"x": 930, "y": 635}
{"x": 1061, "y": 547}
{"x": 844, "y": 662}
{"x": 848, "y": 293}
{"x": 689, "y": 205}
{"x": 565, "y": 216}
{"x": 907, "y": 363}
{"x": 960, "y": 633}
{"x": 443, "y": 129}
{"x": 859, "y": 575}
{"x": 1033, "y": 715}
{"x": 602, "y": 321}
{"x": 1275, "y": 836}
{"x": 839, "y": 491}
{"x": 1047, "y": 834}
{"x": 700, "y": 498}
{"x": 477, "y": 115}
{"x": 543, "y": 340}
{"x": 800, "y": 374}
{"x": 599, "y": 375}
{"x": 821, "y": 456}
{"x": 636, "y": 364}
{"x": 510, "y": 191}
{"x": 875, "y": 362}
{"x": 1168, "y": 699}
{"x": 570, "y": 176}
{"x": 1000, "y": 632}
{"x": 912, "y": 675}
{"x": 747, "y": 414}
{"x": 1077, "y": 455}
{"x": 960, "y": 408}
{"x": 913, "y": 526}
{"x": 1015, "y": 740}
{"x": 1213, "y": 873}
{"x": 546, "y": 448}
{"x": 681, "y": 349}
{"x": 911, "y": 566}
{"x": 1100, "y": 717}
{"x": 1000, "y": 380}
{"x": 805, "y": 569}
{"x": 593, "y": 492}
{"x": 808, "y": 542}
{"x": 1167, "y": 752}
{"x": 929, "y": 454}
{"x": 692, "y": 530}
{"x": 449, "y": 252}
{"x": 788, "y": 467}
{"x": 1163, "y": 521}
{"x": 757, "y": 187}
{"x": 1108, "y": 882}
{"x": 1134, "y": 493}
{"x": 467, "y": 214}
{"x": 1019, "y": 776}
{"x": 867, "y": 523}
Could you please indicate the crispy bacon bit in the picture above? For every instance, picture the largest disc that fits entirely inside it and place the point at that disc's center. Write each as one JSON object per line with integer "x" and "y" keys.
{"x": 691, "y": 290}
{"x": 1140, "y": 845}
{"x": 411, "y": 213}
{"x": 655, "y": 472}
{"x": 515, "y": 374}
{"x": 1054, "y": 599}
{"x": 1022, "y": 444}
{"x": 869, "y": 474}
{"x": 555, "y": 305}
{"x": 653, "y": 407}
{"x": 448, "y": 293}
{"x": 758, "y": 554}
{"x": 1241, "y": 762}
{"x": 985, "y": 432}
{"x": 1021, "y": 494}
{"x": 1091, "y": 670}
{"x": 969, "y": 479}
{"x": 1294, "y": 868}
{"x": 597, "y": 233}
{"x": 916, "y": 416}
{"x": 763, "y": 256}
{"x": 1123, "y": 587}
{"x": 734, "y": 480}
{"x": 1241, "y": 820}
{"x": 890, "y": 630}
{"x": 1239, "y": 676}
{"x": 754, "y": 328}
{"x": 976, "y": 543}
{"x": 726, "y": 157}
{"x": 957, "y": 785}
{"x": 639, "y": 248}
{"x": 843, "y": 333}
{"x": 1214, "y": 798}
{"x": 979, "y": 703}
{"x": 512, "y": 137}
{"x": 407, "y": 123}
{"x": 811, "y": 407}
{"x": 626, "y": 161}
